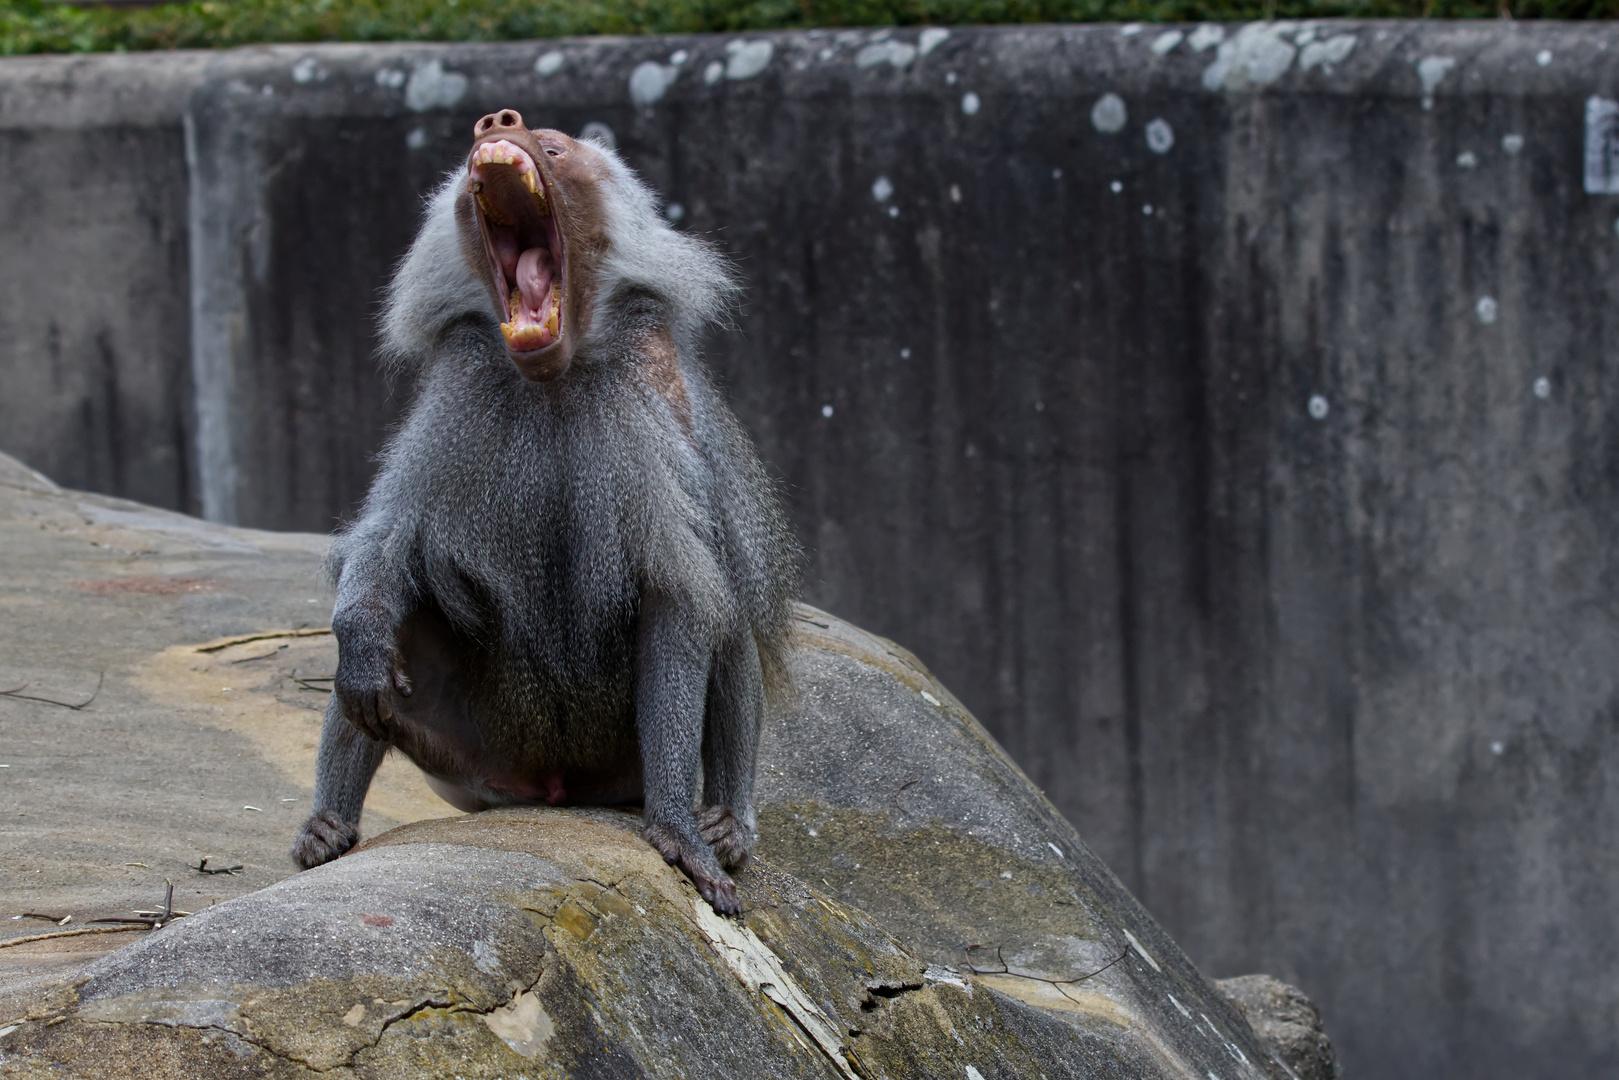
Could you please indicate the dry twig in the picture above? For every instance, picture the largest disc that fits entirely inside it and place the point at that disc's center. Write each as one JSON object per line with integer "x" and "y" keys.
{"x": 967, "y": 951}
{"x": 902, "y": 808}
{"x": 67, "y": 933}
{"x": 16, "y": 692}
{"x": 158, "y": 919}
{"x": 203, "y": 868}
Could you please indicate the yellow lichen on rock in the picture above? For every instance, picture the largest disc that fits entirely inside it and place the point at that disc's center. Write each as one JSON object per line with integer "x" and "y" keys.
{"x": 271, "y": 687}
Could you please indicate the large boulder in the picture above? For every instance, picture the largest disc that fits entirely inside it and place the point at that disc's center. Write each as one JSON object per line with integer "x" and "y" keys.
{"x": 917, "y": 907}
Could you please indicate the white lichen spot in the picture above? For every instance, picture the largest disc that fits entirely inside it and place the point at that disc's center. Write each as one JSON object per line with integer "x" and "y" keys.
{"x": 950, "y": 78}
{"x": 1109, "y": 114}
{"x": 882, "y": 189}
{"x": 1498, "y": 747}
{"x": 649, "y": 81}
{"x": 548, "y": 64}
{"x": 1206, "y": 36}
{"x": 825, "y": 54}
{"x": 679, "y": 56}
{"x": 1116, "y": 187}
{"x": 713, "y": 73}
{"x": 1431, "y": 72}
{"x": 897, "y": 54}
{"x": 1006, "y": 875}
{"x": 597, "y": 132}
{"x": 970, "y": 104}
{"x": 905, "y": 354}
{"x": 1324, "y": 54}
{"x": 389, "y": 78}
{"x": 826, "y": 413}
{"x": 1165, "y": 43}
{"x": 1512, "y": 144}
{"x": 1486, "y": 310}
{"x": 304, "y": 70}
{"x": 1467, "y": 160}
{"x": 1543, "y": 388}
{"x": 1056, "y": 174}
{"x": 955, "y": 197}
{"x": 1130, "y": 29}
{"x": 431, "y": 87}
{"x": 930, "y": 699}
{"x": 1304, "y": 37}
{"x": 1160, "y": 136}
{"x": 931, "y": 39}
{"x": 1146, "y": 209}
{"x": 1601, "y": 146}
{"x": 674, "y": 211}
{"x": 747, "y": 58}
{"x": 417, "y": 138}
{"x": 1544, "y": 57}
{"x": 893, "y": 211}
{"x": 1258, "y": 55}
{"x": 1317, "y": 407}
{"x": 812, "y": 830}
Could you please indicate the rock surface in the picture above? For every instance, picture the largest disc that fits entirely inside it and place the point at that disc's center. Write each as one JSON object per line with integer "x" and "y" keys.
{"x": 1286, "y": 1021}
{"x": 917, "y": 908}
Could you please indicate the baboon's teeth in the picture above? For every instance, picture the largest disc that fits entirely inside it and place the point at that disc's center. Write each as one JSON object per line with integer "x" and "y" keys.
{"x": 499, "y": 152}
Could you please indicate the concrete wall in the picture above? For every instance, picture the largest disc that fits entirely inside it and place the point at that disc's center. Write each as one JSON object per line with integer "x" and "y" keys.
{"x": 1248, "y": 465}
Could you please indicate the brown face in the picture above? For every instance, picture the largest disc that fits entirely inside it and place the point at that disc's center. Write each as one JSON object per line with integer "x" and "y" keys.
{"x": 536, "y": 211}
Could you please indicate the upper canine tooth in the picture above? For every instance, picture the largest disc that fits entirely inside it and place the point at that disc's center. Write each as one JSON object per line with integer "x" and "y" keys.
{"x": 530, "y": 183}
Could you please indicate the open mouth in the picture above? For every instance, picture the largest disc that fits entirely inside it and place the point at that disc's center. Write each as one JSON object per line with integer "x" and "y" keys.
{"x": 524, "y": 244}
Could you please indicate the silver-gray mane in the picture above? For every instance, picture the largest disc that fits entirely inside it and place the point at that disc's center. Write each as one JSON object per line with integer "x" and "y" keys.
{"x": 534, "y": 516}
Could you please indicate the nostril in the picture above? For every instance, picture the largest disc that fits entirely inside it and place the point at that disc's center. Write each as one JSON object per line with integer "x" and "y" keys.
{"x": 483, "y": 125}
{"x": 510, "y": 119}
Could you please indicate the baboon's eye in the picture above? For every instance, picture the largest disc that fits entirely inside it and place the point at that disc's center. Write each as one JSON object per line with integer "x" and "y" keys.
{"x": 552, "y": 153}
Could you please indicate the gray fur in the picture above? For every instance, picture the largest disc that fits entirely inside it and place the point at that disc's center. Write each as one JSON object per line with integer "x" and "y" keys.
{"x": 563, "y": 574}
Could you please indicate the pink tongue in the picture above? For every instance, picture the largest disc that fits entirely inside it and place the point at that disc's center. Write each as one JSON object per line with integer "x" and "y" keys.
{"x": 534, "y": 279}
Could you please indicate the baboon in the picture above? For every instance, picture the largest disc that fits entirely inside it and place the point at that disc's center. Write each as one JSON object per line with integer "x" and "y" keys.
{"x": 570, "y": 582}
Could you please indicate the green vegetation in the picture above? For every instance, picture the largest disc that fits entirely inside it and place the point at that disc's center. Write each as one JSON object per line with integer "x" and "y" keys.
{"x": 34, "y": 26}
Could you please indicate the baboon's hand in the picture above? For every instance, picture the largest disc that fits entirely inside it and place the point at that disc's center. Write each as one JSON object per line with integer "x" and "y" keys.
{"x": 367, "y": 684}
{"x": 323, "y": 838}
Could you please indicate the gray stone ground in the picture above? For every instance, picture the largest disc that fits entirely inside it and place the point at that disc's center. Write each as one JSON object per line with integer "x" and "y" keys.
{"x": 901, "y": 850}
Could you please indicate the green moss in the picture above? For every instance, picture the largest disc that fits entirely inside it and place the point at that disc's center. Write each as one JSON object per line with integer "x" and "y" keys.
{"x": 50, "y": 26}
{"x": 935, "y": 888}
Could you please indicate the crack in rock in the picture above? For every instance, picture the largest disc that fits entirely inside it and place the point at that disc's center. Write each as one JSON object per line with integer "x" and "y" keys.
{"x": 757, "y": 967}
